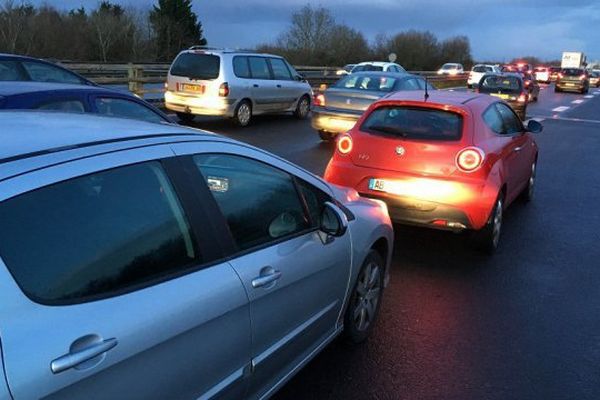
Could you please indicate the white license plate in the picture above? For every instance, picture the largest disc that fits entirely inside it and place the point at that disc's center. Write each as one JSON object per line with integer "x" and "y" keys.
{"x": 569, "y": 84}
{"x": 377, "y": 184}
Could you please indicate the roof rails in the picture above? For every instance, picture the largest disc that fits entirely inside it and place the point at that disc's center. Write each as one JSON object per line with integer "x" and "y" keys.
{"x": 222, "y": 49}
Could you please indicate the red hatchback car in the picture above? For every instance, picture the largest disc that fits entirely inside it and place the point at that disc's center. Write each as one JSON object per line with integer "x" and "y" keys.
{"x": 454, "y": 161}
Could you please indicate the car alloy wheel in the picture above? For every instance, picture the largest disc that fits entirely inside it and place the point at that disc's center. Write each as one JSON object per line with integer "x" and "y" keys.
{"x": 303, "y": 108}
{"x": 497, "y": 223}
{"x": 243, "y": 114}
{"x": 368, "y": 292}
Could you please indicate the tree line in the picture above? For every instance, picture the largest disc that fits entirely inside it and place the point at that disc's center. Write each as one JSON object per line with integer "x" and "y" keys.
{"x": 110, "y": 32}
{"x": 314, "y": 37}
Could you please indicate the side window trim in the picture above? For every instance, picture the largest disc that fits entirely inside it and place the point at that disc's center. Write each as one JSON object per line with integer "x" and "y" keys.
{"x": 494, "y": 108}
{"x": 500, "y": 104}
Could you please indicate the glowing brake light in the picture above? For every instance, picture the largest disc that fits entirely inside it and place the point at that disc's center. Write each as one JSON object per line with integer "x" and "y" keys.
{"x": 582, "y": 77}
{"x": 522, "y": 98}
{"x": 469, "y": 159}
{"x": 319, "y": 100}
{"x": 344, "y": 144}
{"x": 224, "y": 89}
{"x": 559, "y": 75}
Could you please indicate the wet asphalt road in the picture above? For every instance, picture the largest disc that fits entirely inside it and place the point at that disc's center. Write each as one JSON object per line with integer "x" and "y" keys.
{"x": 454, "y": 324}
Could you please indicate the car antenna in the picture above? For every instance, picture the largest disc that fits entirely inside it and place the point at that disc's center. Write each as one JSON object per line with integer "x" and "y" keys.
{"x": 426, "y": 92}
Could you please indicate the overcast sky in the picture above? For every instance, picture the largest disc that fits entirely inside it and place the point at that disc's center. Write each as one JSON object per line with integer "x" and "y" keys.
{"x": 497, "y": 29}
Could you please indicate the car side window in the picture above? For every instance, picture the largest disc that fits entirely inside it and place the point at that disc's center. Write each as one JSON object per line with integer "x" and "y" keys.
{"x": 512, "y": 123}
{"x": 62, "y": 105}
{"x": 493, "y": 120}
{"x": 409, "y": 84}
{"x": 97, "y": 235}
{"x": 259, "y": 68}
{"x": 123, "y": 108}
{"x": 259, "y": 202}
{"x": 240, "y": 67}
{"x": 280, "y": 70}
{"x": 315, "y": 201}
{"x": 41, "y": 72}
{"x": 11, "y": 71}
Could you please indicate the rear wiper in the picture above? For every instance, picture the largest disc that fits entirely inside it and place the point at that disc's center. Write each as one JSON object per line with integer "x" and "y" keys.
{"x": 388, "y": 129}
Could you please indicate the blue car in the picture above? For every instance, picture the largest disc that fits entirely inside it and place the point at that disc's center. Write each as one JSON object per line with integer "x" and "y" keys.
{"x": 78, "y": 99}
{"x": 22, "y": 68}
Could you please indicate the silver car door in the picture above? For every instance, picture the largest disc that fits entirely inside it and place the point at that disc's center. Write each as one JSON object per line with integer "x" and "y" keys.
{"x": 296, "y": 281}
{"x": 287, "y": 93}
{"x": 109, "y": 290}
{"x": 263, "y": 88}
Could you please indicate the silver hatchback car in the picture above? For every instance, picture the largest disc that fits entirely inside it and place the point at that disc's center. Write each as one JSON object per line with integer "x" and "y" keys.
{"x": 147, "y": 261}
{"x": 235, "y": 84}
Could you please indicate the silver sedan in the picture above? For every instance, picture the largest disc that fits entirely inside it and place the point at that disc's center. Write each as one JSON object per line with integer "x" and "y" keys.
{"x": 146, "y": 261}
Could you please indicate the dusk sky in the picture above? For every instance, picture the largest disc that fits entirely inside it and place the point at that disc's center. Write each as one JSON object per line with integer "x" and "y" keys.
{"x": 497, "y": 29}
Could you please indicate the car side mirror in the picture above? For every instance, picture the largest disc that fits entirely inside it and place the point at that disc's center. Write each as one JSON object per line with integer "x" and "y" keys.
{"x": 333, "y": 220}
{"x": 534, "y": 126}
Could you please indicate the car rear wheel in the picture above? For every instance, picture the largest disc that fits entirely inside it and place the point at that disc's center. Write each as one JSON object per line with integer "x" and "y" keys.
{"x": 303, "y": 107}
{"x": 185, "y": 117}
{"x": 365, "y": 301}
{"x": 488, "y": 238}
{"x": 243, "y": 114}
{"x": 325, "y": 136}
{"x": 529, "y": 189}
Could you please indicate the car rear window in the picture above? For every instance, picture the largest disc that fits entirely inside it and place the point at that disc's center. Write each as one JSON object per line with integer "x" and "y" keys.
{"x": 10, "y": 71}
{"x": 482, "y": 68}
{"x": 95, "y": 236}
{"x": 367, "y": 82}
{"x": 367, "y": 67}
{"x": 572, "y": 71}
{"x": 504, "y": 84}
{"x": 196, "y": 66}
{"x": 414, "y": 123}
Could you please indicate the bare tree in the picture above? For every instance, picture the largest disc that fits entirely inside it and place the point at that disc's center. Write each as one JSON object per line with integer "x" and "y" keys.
{"x": 110, "y": 25}
{"x": 13, "y": 24}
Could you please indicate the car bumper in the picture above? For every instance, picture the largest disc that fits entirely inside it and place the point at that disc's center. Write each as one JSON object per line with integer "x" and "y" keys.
{"x": 200, "y": 105}
{"x": 574, "y": 86}
{"x": 333, "y": 122}
{"x": 448, "y": 204}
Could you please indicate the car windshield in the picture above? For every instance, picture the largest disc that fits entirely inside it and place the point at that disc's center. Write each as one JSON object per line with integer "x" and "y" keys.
{"x": 196, "y": 66}
{"x": 572, "y": 71}
{"x": 495, "y": 83}
{"x": 367, "y": 67}
{"x": 414, "y": 123}
{"x": 367, "y": 82}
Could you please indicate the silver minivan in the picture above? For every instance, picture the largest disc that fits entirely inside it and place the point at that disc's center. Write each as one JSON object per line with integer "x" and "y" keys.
{"x": 234, "y": 84}
{"x": 151, "y": 261}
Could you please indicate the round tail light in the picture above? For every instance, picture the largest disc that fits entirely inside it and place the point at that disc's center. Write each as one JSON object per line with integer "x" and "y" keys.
{"x": 469, "y": 159}
{"x": 344, "y": 144}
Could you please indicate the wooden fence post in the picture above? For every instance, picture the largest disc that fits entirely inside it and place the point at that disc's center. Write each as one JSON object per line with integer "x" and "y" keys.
{"x": 134, "y": 73}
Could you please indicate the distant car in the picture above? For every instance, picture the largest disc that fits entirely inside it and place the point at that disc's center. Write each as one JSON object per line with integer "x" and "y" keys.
{"x": 454, "y": 162}
{"x": 346, "y": 69}
{"x": 595, "y": 78}
{"x": 377, "y": 66}
{"x": 531, "y": 85}
{"x": 478, "y": 71}
{"x": 22, "y": 68}
{"x": 509, "y": 87}
{"x": 542, "y": 74}
{"x": 161, "y": 262}
{"x": 234, "y": 84}
{"x": 338, "y": 108}
{"x": 554, "y": 71}
{"x": 77, "y": 99}
{"x": 572, "y": 80}
{"x": 518, "y": 67}
{"x": 451, "y": 69}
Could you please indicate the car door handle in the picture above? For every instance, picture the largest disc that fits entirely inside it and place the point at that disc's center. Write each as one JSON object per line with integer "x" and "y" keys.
{"x": 73, "y": 359}
{"x": 265, "y": 280}
{"x": 255, "y": 85}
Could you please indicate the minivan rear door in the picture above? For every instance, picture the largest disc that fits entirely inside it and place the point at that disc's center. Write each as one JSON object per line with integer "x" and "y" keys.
{"x": 195, "y": 74}
{"x": 109, "y": 288}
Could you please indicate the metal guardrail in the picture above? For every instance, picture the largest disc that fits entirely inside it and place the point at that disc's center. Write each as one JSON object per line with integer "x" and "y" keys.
{"x": 136, "y": 76}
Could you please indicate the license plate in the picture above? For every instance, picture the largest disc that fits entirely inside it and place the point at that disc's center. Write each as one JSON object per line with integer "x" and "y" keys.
{"x": 186, "y": 87}
{"x": 377, "y": 184}
{"x": 569, "y": 84}
{"x": 502, "y": 96}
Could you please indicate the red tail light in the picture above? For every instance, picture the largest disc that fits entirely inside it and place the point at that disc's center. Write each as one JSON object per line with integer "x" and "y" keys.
{"x": 522, "y": 98}
{"x": 582, "y": 77}
{"x": 344, "y": 144}
{"x": 224, "y": 89}
{"x": 469, "y": 159}
{"x": 527, "y": 83}
{"x": 319, "y": 100}
{"x": 559, "y": 75}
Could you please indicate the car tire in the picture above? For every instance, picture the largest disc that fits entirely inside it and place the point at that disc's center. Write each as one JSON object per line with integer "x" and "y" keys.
{"x": 488, "y": 238}
{"x": 528, "y": 192}
{"x": 365, "y": 300}
{"x": 326, "y": 136}
{"x": 185, "y": 117}
{"x": 303, "y": 107}
{"x": 556, "y": 90}
{"x": 242, "y": 114}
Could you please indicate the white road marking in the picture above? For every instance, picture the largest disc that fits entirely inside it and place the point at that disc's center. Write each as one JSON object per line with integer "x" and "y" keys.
{"x": 578, "y": 101}
{"x": 560, "y": 109}
{"x": 589, "y": 96}
{"x": 556, "y": 117}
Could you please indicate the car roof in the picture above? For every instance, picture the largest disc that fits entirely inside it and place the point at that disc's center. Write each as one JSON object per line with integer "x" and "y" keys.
{"x": 11, "y": 88}
{"x": 216, "y": 51}
{"x": 377, "y": 63}
{"x": 384, "y": 74}
{"x": 444, "y": 97}
{"x": 28, "y": 133}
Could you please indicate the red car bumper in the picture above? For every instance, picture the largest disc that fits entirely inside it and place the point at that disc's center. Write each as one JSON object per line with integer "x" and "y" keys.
{"x": 450, "y": 203}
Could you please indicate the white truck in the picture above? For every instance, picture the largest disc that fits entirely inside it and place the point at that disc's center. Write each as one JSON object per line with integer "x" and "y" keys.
{"x": 573, "y": 59}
